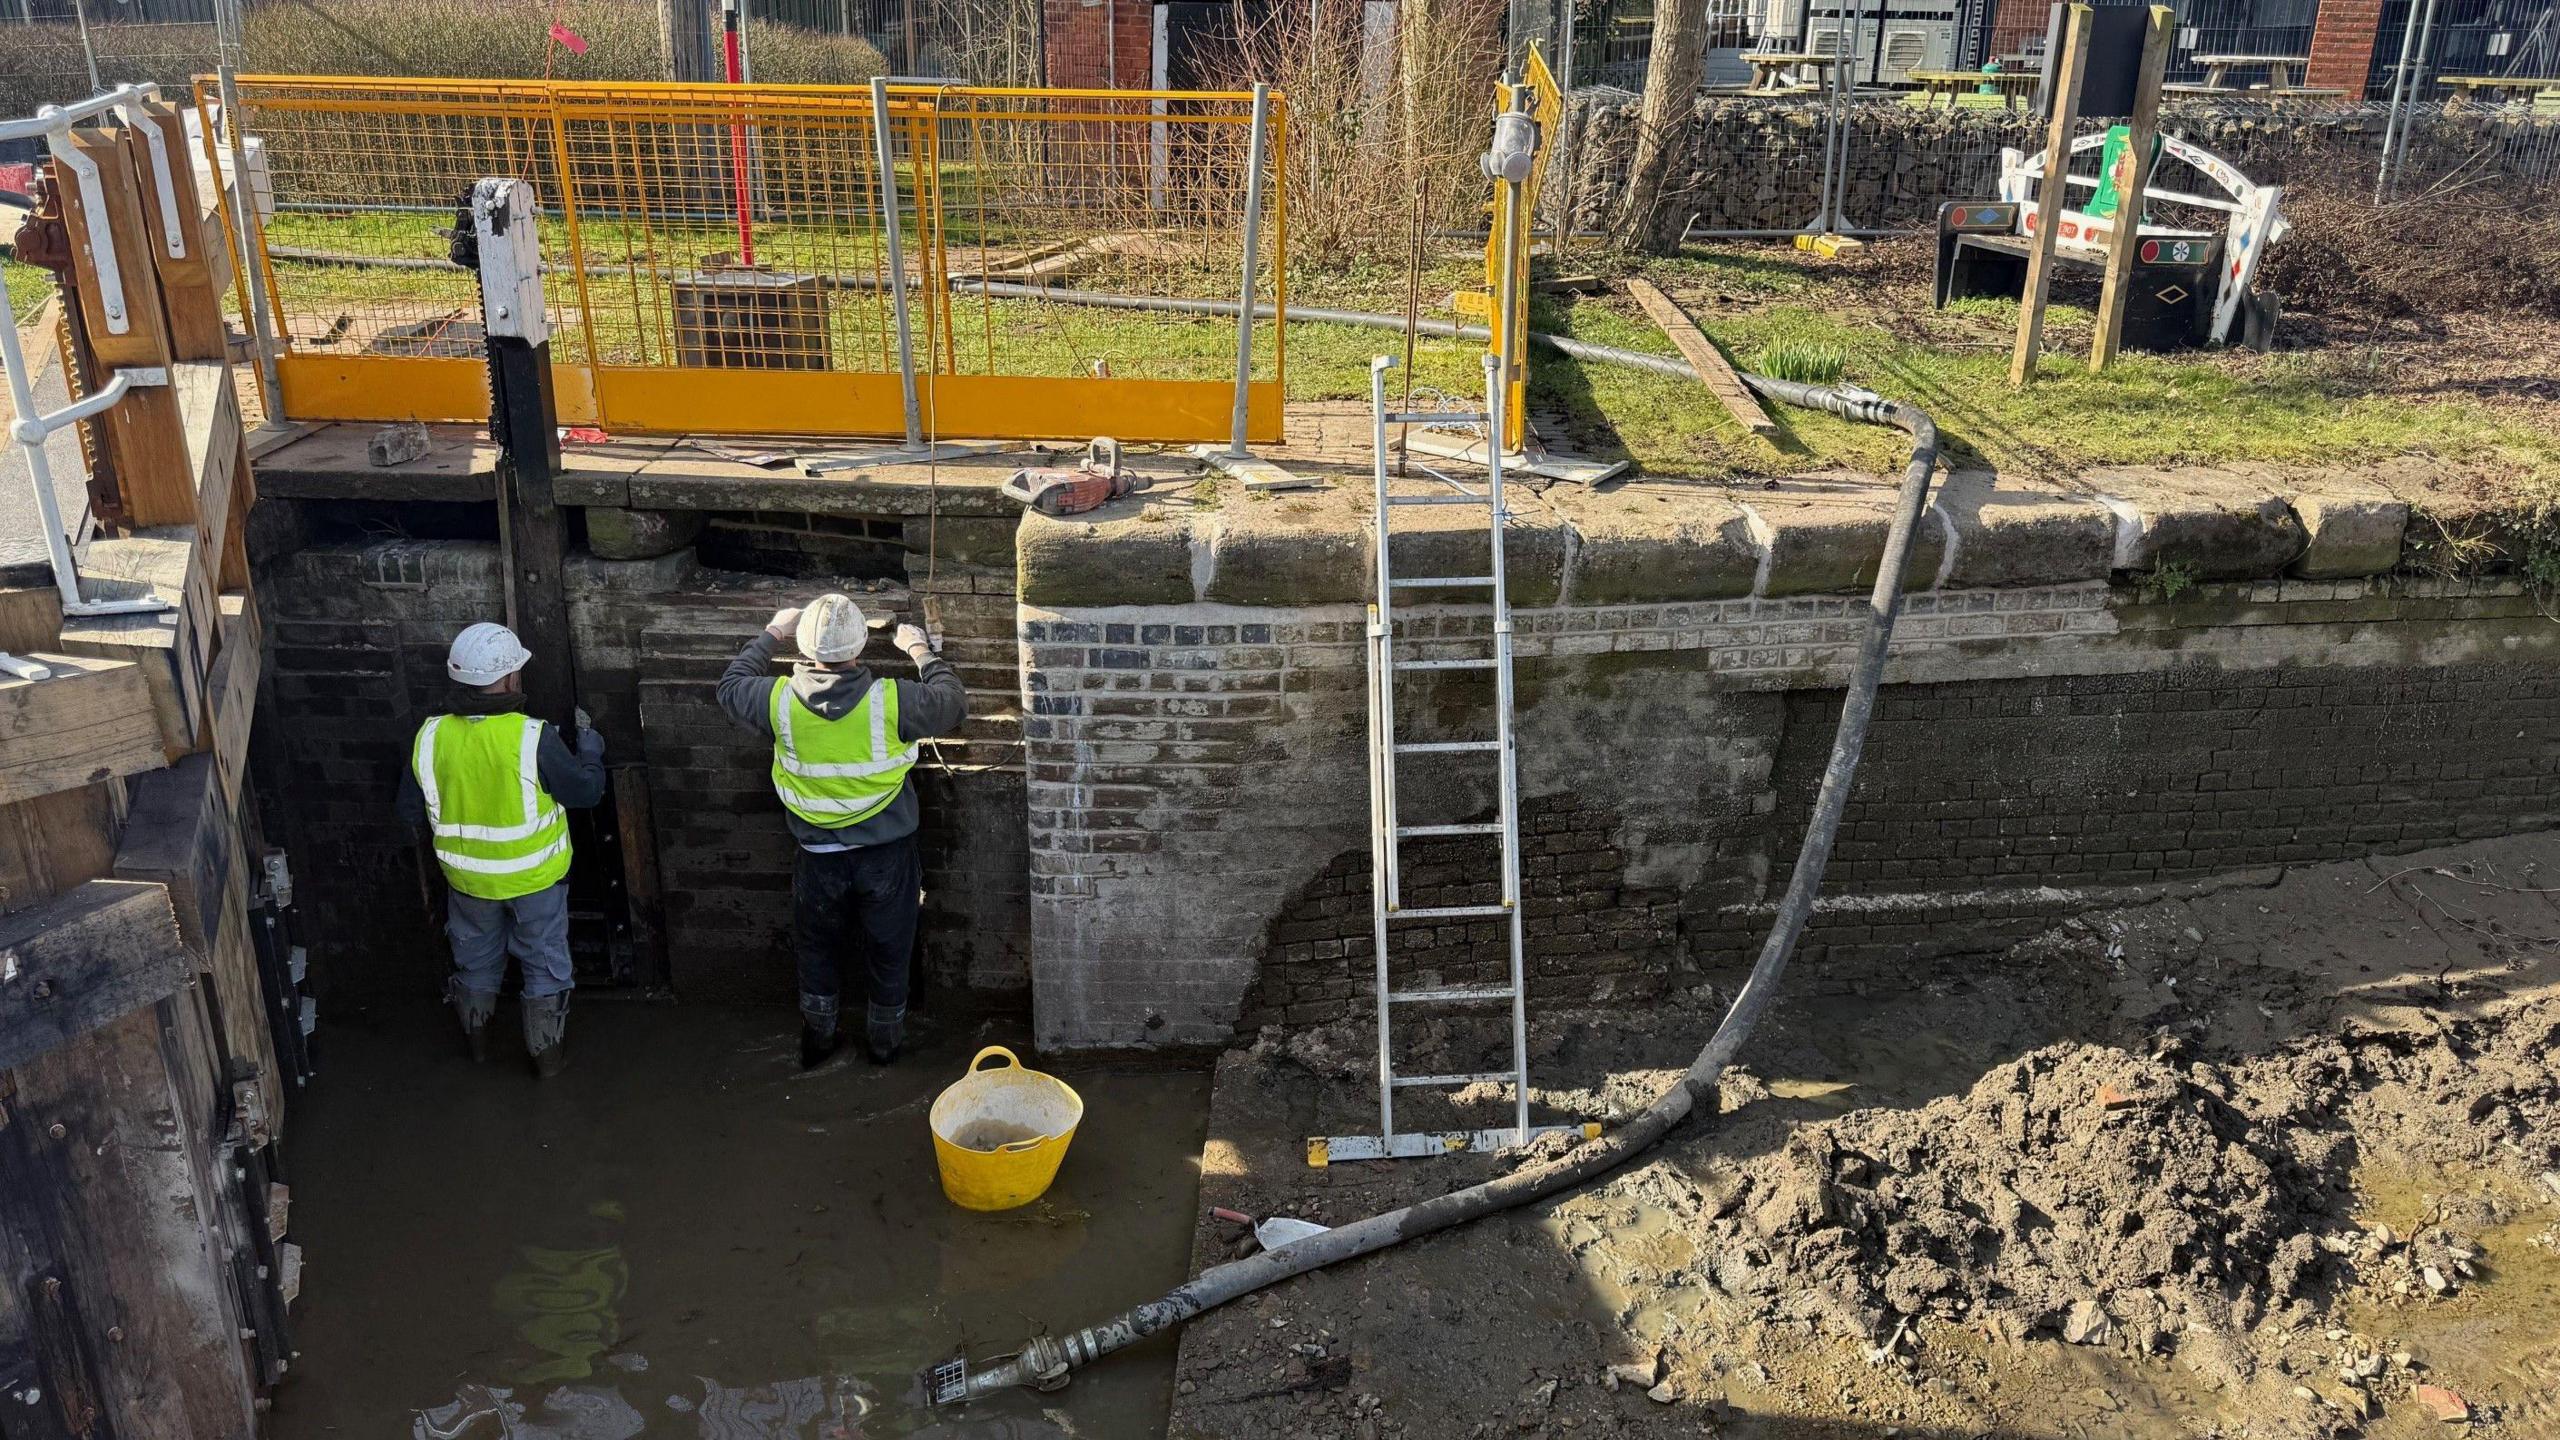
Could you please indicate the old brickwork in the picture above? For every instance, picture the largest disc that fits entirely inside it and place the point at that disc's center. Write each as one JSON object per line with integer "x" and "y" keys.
{"x": 1588, "y": 935}
{"x": 1099, "y": 44}
{"x": 1199, "y": 808}
{"x": 361, "y": 634}
{"x": 2343, "y": 34}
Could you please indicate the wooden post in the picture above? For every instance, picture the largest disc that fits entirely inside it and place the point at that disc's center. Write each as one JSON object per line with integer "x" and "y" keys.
{"x": 188, "y": 297}
{"x": 2142, "y": 135}
{"x": 2053, "y": 197}
{"x": 533, "y": 538}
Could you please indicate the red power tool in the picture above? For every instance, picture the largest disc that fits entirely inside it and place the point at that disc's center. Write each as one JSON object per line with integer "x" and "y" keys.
{"x": 1096, "y": 482}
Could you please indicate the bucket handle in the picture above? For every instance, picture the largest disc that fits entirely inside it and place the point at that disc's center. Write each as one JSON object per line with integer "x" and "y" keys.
{"x": 1011, "y": 1061}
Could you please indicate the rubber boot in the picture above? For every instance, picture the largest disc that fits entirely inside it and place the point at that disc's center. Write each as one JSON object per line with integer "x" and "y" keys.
{"x": 477, "y": 1010}
{"x": 546, "y": 1023}
{"x": 819, "y": 1035}
{"x": 883, "y": 1030}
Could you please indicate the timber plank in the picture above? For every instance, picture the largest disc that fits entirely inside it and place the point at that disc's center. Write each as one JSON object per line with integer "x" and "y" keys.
{"x": 1713, "y": 369}
{"x": 232, "y": 692}
{"x": 105, "y": 1164}
{"x": 56, "y": 841}
{"x": 179, "y": 833}
{"x": 90, "y": 721}
{"x": 209, "y": 416}
{"x": 193, "y": 305}
{"x": 30, "y": 618}
{"x": 142, "y": 429}
{"x": 172, "y": 646}
{"x": 83, "y": 959}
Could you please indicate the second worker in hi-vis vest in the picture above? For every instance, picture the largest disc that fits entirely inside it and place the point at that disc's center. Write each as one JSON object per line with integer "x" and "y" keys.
{"x": 493, "y": 785}
{"x": 843, "y": 742}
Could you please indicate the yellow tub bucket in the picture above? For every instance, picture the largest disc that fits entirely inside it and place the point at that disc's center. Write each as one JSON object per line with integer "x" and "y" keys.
{"x": 999, "y": 1134}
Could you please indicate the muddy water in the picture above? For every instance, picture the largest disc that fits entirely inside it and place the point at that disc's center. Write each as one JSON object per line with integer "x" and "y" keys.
{"x": 684, "y": 1236}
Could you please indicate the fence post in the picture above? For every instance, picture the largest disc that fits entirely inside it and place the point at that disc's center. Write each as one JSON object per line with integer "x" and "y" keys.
{"x": 897, "y": 260}
{"x": 2395, "y": 158}
{"x": 1254, "y": 151}
{"x": 2054, "y": 195}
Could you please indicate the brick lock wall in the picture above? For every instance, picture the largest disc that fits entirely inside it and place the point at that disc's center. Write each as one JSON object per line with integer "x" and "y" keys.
{"x": 357, "y": 639}
{"x": 1587, "y": 935}
{"x": 360, "y": 634}
{"x": 1198, "y": 804}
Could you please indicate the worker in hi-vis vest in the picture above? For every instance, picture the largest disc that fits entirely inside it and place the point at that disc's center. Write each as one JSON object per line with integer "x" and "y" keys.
{"x": 843, "y": 742}
{"x": 493, "y": 785}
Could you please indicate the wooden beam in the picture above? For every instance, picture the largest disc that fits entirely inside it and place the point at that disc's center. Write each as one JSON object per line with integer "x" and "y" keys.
{"x": 1713, "y": 369}
{"x": 172, "y": 646}
{"x": 30, "y": 618}
{"x": 142, "y": 429}
{"x": 83, "y": 959}
{"x": 91, "y": 721}
{"x": 54, "y": 842}
{"x": 231, "y": 695}
{"x": 2055, "y": 194}
{"x": 188, "y": 293}
{"x": 209, "y": 419}
{"x": 2141, "y": 134}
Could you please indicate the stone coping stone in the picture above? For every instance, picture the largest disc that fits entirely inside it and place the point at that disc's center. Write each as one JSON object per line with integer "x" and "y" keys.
{"x": 1656, "y": 541}
{"x": 328, "y": 462}
{"x": 2010, "y": 532}
{"x": 1824, "y": 535}
{"x": 2220, "y": 524}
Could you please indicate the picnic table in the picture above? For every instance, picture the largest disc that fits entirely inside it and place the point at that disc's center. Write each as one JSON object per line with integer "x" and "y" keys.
{"x": 2014, "y": 87}
{"x": 1777, "y": 72}
{"x": 2284, "y": 72}
{"x": 2524, "y": 87}
{"x": 2297, "y": 92}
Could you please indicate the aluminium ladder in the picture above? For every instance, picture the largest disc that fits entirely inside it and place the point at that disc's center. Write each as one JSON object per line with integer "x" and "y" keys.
{"x": 1387, "y": 830}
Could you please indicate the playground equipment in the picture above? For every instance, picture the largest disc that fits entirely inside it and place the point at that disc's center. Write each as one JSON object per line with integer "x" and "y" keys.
{"x": 2190, "y": 285}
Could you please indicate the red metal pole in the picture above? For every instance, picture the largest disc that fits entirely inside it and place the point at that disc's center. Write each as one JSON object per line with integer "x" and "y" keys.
{"x": 737, "y": 134}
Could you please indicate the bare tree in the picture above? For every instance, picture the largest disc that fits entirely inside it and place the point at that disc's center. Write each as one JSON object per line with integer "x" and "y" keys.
{"x": 1671, "y": 78}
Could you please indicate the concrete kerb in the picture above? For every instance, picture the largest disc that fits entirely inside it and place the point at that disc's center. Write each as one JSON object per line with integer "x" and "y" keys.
{"x": 2217, "y": 524}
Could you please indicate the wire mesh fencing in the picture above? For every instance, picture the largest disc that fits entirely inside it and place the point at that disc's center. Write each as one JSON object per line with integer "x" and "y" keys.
{"x": 1763, "y": 166}
{"x": 1001, "y": 263}
{"x": 55, "y": 52}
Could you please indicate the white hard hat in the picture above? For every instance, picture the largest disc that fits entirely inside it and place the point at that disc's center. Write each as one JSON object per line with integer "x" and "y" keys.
{"x": 485, "y": 654}
{"x": 832, "y": 629}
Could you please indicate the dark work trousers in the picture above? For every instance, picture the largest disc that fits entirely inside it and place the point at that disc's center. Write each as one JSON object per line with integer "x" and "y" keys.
{"x": 859, "y": 904}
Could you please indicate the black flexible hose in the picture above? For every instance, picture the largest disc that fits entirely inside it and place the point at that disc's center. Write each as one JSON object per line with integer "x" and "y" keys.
{"x": 1046, "y": 1359}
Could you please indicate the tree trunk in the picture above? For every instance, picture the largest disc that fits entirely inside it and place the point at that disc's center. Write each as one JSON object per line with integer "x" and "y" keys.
{"x": 685, "y": 49}
{"x": 1671, "y": 79}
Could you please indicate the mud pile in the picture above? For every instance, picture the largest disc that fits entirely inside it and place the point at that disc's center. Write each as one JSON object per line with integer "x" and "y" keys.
{"x": 2077, "y": 1190}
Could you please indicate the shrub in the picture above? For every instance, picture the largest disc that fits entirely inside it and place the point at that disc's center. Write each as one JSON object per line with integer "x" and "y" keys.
{"x": 507, "y": 41}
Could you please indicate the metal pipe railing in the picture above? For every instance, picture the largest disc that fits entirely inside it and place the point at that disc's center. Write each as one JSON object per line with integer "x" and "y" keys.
{"x": 30, "y": 428}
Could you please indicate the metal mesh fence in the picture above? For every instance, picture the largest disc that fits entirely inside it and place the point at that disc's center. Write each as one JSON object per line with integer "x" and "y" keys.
{"x": 54, "y": 52}
{"x": 692, "y": 230}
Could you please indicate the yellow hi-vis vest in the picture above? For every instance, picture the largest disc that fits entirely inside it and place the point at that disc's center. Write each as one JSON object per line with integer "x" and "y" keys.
{"x": 836, "y": 773}
{"x": 499, "y": 834}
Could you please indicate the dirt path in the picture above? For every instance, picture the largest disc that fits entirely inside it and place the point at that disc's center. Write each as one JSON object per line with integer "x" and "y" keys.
{"x": 2266, "y": 1160}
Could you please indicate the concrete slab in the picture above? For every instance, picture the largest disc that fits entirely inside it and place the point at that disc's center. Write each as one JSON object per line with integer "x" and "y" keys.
{"x": 328, "y": 463}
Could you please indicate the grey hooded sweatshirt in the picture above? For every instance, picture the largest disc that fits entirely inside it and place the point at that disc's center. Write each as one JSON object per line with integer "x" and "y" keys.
{"x": 932, "y": 704}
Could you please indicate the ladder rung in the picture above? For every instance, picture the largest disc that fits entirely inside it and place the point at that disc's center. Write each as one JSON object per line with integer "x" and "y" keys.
{"x": 1440, "y": 582}
{"x": 1442, "y": 417}
{"x": 1486, "y": 663}
{"x": 1456, "y": 992}
{"x": 1468, "y": 498}
{"x": 1449, "y": 912}
{"x": 1504, "y": 1077}
{"x": 1444, "y": 747}
{"x": 1481, "y": 827}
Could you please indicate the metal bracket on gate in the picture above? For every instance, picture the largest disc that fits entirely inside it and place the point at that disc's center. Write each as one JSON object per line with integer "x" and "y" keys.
{"x": 93, "y": 217}
{"x": 164, "y": 181}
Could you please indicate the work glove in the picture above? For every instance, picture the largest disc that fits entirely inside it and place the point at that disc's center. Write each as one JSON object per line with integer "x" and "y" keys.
{"x": 917, "y": 644}
{"x": 784, "y": 621}
{"x": 590, "y": 744}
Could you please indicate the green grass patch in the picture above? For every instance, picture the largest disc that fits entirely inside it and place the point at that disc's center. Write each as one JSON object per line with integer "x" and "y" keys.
{"x": 1804, "y": 361}
{"x": 28, "y": 287}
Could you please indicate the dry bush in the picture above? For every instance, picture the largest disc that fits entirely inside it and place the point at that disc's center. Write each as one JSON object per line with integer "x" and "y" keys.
{"x": 508, "y": 41}
{"x": 2463, "y": 247}
{"x": 1367, "y": 130}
